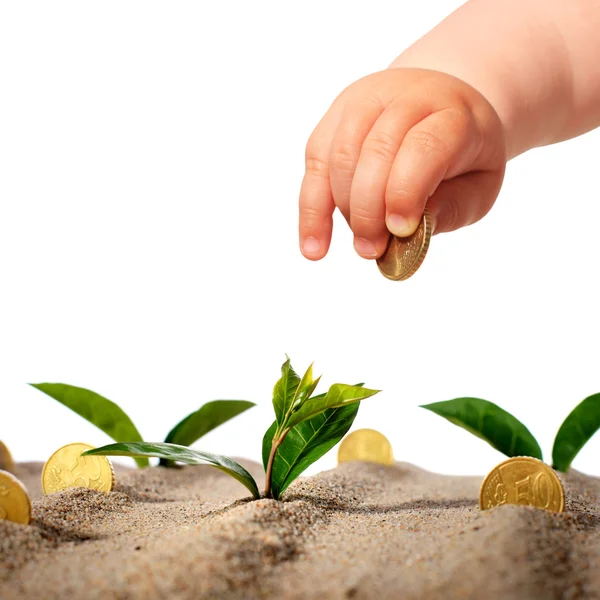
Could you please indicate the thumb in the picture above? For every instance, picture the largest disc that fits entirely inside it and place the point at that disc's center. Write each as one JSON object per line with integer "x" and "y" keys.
{"x": 465, "y": 199}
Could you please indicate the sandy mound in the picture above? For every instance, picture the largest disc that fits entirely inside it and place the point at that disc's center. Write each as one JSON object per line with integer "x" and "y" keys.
{"x": 358, "y": 531}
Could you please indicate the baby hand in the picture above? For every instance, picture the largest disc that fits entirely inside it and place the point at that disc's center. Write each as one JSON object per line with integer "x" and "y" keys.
{"x": 391, "y": 143}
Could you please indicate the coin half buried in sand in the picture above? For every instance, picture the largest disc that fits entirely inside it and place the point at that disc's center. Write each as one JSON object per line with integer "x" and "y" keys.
{"x": 366, "y": 445}
{"x": 66, "y": 468}
{"x": 14, "y": 500}
{"x": 522, "y": 480}
{"x": 403, "y": 256}
{"x": 6, "y": 460}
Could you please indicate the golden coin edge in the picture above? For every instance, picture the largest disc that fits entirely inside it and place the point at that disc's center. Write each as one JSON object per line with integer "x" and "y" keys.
{"x": 9, "y": 465}
{"x": 359, "y": 431}
{"x": 537, "y": 461}
{"x": 25, "y": 494}
{"x": 88, "y": 447}
{"x": 427, "y": 221}
{"x": 428, "y": 230}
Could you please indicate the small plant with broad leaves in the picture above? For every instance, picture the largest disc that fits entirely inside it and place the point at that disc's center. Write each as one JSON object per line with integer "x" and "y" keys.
{"x": 112, "y": 420}
{"x": 508, "y": 435}
{"x": 306, "y": 427}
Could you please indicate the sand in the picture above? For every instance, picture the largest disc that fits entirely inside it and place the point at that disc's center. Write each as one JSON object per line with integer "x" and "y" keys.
{"x": 358, "y": 531}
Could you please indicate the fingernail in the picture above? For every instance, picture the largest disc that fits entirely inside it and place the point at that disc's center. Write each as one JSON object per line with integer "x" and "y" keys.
{"x": 365, "y": 247}
{"x": 311, "y": 246}
{"x": 399, "y": 226}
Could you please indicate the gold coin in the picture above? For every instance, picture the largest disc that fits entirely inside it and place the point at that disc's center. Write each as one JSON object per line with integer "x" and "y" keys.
{"x": 522, "y": 480}
{"x": 403, "y": 256}
{"x": 66, "y": 468}
{"x": 366, "y": 445}
{"x": 14, "y": 500}
{"x": 6, "y": 460}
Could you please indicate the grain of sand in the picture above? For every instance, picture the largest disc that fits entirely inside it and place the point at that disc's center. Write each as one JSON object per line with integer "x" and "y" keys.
{"x": 358, "y": 531}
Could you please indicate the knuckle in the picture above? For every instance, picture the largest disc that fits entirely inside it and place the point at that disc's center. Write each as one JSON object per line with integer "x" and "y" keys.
{"x": 460, "y": 116}
{"x": 381, "y": 145}
{"x": 310, "y": 213}
{"x": 400, "y": 193}
{"x": 370, "y": 99}
{"x": 343, "y": 157}
{"x": 460, "y": 123}
{"x": 364, "y": 217}
{"x": 428, "y": 142}
{"x": 316, "y": 166}
{"x": 313, "y": 219}
{"x": 366, "y": 225}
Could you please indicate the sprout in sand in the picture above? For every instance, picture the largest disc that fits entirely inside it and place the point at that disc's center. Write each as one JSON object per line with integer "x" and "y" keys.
{"x": 113, "y": 421}
{"x": 508, "y": 435}
{"x": 305, "y": 428}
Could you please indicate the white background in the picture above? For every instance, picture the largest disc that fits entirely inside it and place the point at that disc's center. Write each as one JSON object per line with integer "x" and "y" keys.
{"x": 150, "y": 161}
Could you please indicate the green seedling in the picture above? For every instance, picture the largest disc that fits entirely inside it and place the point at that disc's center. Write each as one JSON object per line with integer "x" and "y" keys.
{"x": 508, "y": 435}
{"x": 113, "y": 421}
{"x": 306, "y": 427}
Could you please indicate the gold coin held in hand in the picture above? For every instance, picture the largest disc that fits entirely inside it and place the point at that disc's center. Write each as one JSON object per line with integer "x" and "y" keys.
{"x": 6, "y": 460}
{"x": 366, "y": 445}
{"x": 403, "y": 256}
{"x": 522, "y": 480}
{"x": 14, "y": 500}
{"x": 66, "y": 468}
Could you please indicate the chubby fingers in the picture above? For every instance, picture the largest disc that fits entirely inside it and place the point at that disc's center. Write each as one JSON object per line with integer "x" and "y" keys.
{"x": 349, "y": 139}
{"x": 441, "y": 146}
{"x": 406, "y": 155}
{"x": 332, "y": 153}
{"x": 316, "y": 208}
{"x": 316, "y": 203}
{"x": 374, "y": 165}
{"x": 380, "y": 160}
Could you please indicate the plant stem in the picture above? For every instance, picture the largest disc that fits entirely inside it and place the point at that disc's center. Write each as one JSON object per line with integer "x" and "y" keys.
{"x": 269, "y": 471}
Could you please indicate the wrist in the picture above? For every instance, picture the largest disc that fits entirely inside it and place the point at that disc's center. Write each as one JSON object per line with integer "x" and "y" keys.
{"x": 520, "y": 56}
{"x": 517, "y": 137}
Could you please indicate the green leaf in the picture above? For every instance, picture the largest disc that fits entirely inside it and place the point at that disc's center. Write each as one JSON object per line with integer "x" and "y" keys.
{"x": 491, "y": 423}
{"x": 339, "y": 394}
{"x": 96, "y": 409}
{"x": 577, "y": 429}
{"x": 205, "y": 419}
{"x": 270, "y": 434}
{"x": 284, "y": 391}
{"x": 305, "y": 388}
{"x": 306, "y": 443}
{"x": 175, "y": 453}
